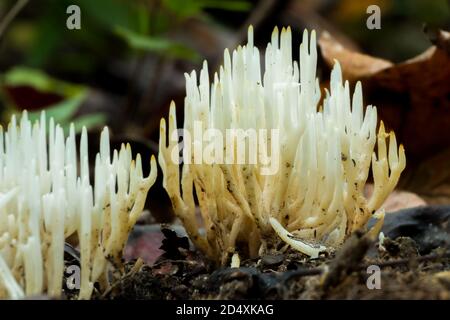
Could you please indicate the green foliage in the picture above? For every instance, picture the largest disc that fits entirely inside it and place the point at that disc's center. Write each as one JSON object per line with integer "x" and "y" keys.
{"x": 157, "y": 44}
{"x": 39, "y": 80}
{"x": 131, "y": 27}
{"x": 143, "y": 24}
{"x": 62, "y": 112}
{"x": 187, "y": 9}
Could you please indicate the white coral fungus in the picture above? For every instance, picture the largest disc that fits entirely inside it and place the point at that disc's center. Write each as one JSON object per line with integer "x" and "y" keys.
{"x": 46, "y": 196}
{"x": 316, "y": 197}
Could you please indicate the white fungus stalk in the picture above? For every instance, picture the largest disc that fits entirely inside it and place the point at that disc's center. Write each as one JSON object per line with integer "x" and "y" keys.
{"x": 235, "y": 261}
{"x": 315, "y": 197}
{"x": 8, "y": 282}
{"x": 46, "y": 196}
{"x": 311, "y": 250}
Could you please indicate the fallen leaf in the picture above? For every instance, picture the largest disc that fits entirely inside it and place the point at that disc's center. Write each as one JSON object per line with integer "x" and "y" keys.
{"x": 412, "y": 97}
{"x": 355, "y": 65}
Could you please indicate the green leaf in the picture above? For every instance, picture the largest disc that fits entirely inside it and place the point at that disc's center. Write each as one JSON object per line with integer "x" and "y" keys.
{"x": 24, "y": 76}
{"x": 112, "y": 12}
{"x": 226, "y": 5}
{"x": 185, "y": 9}
{"x": 47, "y": 38}
{"x": 156, "y": 44}
{"x": 182, "y": 8}
{"x": 61, "y": 112}
{"x": 89, "y": 121}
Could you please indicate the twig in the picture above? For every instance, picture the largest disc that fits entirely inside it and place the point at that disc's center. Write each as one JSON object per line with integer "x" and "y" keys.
{"x": 136, "y": 267}
{"x": 392, "y": 263}
{"x": 429, "y": 257}
{"x": 6, "y": 21}
{"x": 347, "y": 259}
{"x": 304, "y": 273}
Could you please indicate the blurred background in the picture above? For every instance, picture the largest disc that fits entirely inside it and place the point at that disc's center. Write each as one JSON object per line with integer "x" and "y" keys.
{"x": 127, "y": 62}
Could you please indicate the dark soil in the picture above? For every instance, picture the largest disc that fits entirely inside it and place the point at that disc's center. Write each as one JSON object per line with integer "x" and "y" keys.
{"x": 404, "y": 275}
{"x": 416, "y": 266}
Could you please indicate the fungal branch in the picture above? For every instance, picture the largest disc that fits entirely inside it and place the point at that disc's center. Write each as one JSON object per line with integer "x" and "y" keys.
{"x": 45, "y": 199}
{"x": 320, "y": 158}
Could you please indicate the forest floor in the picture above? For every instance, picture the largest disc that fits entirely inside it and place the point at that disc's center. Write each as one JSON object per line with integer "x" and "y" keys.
{"x": 412, "y": 262}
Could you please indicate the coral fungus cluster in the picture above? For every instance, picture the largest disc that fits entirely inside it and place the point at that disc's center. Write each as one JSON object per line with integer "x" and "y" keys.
{"x": 46, "y": 196}
{"x": 264, "y": 160}
{"x": 324, "y": 153}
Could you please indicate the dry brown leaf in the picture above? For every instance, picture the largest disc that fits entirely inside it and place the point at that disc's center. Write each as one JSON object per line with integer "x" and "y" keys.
{"x": 413, "y": 97}
{"x": 355, "y": 65}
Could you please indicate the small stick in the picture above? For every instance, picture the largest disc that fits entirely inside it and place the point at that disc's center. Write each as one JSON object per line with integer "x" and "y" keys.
{"x": 136, "y": 267}
{"x": 392, "y": 263}
{"x": 11, "y": 15}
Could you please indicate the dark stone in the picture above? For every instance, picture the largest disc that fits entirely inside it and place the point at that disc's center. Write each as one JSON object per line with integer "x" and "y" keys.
{"x": 428, "y": 226}
{"x": 272, "y": 260}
